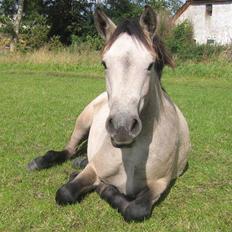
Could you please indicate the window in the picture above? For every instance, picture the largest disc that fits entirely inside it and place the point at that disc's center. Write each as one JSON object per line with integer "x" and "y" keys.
{"x": 209, "y": 9}
{"x": 210, "y": 41}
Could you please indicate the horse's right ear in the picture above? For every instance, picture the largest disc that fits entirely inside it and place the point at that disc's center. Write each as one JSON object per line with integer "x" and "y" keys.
{"x": 104, "y": 25}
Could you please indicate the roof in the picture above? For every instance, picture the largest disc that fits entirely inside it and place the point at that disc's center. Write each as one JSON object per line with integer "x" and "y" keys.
{"x": 194, "y": 2}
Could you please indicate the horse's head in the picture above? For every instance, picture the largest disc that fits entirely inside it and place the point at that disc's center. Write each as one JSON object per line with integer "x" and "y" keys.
{"x": 128, "y": 59}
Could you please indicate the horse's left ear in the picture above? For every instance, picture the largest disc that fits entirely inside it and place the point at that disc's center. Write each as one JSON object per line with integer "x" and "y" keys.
{"x": 148, "y": 21}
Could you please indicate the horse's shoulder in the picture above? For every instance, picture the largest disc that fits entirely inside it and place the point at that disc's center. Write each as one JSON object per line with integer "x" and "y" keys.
{"x": 99, "y": 101}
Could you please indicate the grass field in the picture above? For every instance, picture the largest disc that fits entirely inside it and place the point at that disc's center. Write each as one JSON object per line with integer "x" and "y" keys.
{"x": 39, "y": 104}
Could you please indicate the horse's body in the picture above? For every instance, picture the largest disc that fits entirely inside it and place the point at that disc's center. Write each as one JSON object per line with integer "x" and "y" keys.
{"x": 157, "y": 155}
{"x": 138, "y": 139}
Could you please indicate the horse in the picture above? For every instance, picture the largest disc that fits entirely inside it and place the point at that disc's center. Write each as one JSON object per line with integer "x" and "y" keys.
{"x": 138, "y": 139}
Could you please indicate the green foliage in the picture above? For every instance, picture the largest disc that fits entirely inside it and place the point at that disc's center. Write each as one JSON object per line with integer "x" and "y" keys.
{"x": 122, "y": 9}
{"x": 8, "y": 7}
{"x": 157, "y": 4}
{"x": 228, "y": 53}
{"x": 70, "y": 22}
{"x": 89, "y": 42}
{"x": 68, "y": 17}
{"x": 180, "y": 42}
{"x": 181, "y": 38}
{"x": 171, "y": 5}
{"x": 7, "y": 25}
{"x": 33, "y": 33}
{"x": 54, "y": 43}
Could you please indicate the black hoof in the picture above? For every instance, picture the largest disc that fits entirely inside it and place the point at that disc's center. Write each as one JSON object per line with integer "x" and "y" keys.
{"x": 35, "y": 164}
{"x": 80, "y": 162}
{"x": 67, "y": 194}
{"x": 50, "y": 159}
{"x": 137, "y": 213}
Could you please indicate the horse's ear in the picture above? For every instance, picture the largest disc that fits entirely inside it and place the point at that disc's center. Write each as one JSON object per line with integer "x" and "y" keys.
{"x": 148, "y": 21}
{"x": 104, "y": 25}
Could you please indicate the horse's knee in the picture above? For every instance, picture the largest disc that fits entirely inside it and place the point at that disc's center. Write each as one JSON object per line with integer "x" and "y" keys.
{"x": 73, "y": 175}
{"x": 50, "y": 159}
{"x": 137, "y": 211}
{"x": 67, "y": 194}
{"x": 108, "y": 192}
{"x": 74, "y": 190}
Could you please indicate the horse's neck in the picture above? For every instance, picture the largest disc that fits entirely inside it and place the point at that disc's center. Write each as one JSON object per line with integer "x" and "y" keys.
{"x": 154, "y": 107}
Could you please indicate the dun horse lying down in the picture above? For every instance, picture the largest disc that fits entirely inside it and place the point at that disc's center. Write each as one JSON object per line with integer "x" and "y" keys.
{"x": 138, "y": 139}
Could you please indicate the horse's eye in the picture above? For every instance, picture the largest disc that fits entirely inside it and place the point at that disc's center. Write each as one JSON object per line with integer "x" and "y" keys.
{"x": 150, "y": 66}
{"x": 104, "y": 64}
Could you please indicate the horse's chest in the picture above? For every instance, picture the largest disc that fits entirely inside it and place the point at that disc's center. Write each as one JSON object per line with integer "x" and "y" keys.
{"x": 128, "y": 176}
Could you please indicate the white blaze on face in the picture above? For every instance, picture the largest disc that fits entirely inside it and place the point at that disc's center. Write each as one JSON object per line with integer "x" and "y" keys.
{"x": 127, "y": 74}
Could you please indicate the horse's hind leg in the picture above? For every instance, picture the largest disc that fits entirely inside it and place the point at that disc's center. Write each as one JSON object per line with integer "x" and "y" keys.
{"x": 73, "y": 191}
{"x": 80, "y": 133}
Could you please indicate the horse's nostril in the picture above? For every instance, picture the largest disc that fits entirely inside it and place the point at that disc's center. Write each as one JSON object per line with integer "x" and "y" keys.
{"x": 134, "y": 126}
{"x": 110, "y": 125}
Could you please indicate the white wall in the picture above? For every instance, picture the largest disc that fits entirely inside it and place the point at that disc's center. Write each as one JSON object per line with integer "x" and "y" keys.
{"x": 217, "y": 27}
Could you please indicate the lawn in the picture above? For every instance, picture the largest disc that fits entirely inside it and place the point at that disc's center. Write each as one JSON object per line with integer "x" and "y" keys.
{"x": 39, "y": 104}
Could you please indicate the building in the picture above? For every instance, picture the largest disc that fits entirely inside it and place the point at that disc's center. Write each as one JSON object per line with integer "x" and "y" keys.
{"x": 211, "y": 20}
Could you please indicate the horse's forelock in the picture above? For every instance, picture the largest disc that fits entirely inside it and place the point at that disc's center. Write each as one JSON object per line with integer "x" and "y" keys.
{"x": 132, "y": 28}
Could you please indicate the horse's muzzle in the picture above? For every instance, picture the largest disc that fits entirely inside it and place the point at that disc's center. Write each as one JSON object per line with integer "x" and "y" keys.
{"x": 123, "y": 130}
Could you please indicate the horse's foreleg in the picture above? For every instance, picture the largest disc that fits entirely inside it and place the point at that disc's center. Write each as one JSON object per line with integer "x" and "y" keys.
{"x": 141, "y": 208}
{"x": 133, "y": 210}
{"x": 80, "y": 133}
{"x": 112, "y": 196}
{"x": 73, "y": 191}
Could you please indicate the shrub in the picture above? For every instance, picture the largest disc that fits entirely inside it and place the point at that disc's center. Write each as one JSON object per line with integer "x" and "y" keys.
{"x": 88, "y": 42}
{"x": 165, "y": 24}
{"x": 94, "y": 42}
{"x": 34, "y": 34}
{"x": 228, "y": 53}
{"x": 55, "y": 44}
{"x": 181, "y": 43}
{"x": 181, "y": 38}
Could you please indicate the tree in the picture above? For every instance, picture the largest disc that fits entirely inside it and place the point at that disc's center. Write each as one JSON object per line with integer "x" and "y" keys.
{"x": 17, "y": 22}
{"x": 172, "y": 5}
{"x": 8, "y": 7}
{"x": 67, "y": 17}
{"x": 121, "y": 9}
{"x": 12, "y": 12}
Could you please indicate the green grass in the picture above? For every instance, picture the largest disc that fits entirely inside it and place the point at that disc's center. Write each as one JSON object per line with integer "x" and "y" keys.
{"x": 39, "y": 105}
